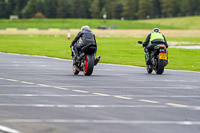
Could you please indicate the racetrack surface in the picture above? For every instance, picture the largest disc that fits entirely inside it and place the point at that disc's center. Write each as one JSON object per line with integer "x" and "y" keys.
{"x": 41, "y": 95}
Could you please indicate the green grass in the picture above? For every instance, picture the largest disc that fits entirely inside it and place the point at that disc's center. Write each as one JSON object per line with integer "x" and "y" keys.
{"x": 170, "y": 23}
{"x": 115, "y": 50}
{"x": 177, "y": 23}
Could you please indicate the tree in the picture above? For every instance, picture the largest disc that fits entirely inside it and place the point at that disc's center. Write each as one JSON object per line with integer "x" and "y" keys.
{"x": 170, "y": 8}
{"x": 19, "y": 5}
{"x": 145, "y": 8}
{"x": 95, "y": 9}
{"x": 32, "y": 7}
{"x": 110, "y": 8}
{"x": 156, "y": 8}
{"x": 190, "y": 7}
{"x": 49, "y": 8}
{"x": 63, "y": 9}
{"x": 130, "y": 9}
{"x": 84, "y": 9}
{"x": 2, "y": 9}
{"x": 118, "y": 10}
{"x": 10, "y": 6}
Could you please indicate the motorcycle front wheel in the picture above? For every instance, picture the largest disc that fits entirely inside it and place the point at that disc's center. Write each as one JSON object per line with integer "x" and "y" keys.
{"x": 149, "y": 69}
{"x": 75, "y": 71}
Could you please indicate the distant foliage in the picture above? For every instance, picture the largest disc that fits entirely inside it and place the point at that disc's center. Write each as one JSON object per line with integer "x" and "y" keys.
{"x": 114, "y": 9}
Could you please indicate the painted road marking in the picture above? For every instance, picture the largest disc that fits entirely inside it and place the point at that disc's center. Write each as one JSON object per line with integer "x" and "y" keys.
{"x": 177, "y": 105}
{"x": 8, "y": 130}
{"x": 45, "y": 95}
{"x": 158, "y": 96}
{"x": 83, "y": 106}
{"x": 100, "y": 94}
{"x": 198, "y": 108}
{"x": 80, "y": 91}
{"x": 121, "y": 97}
{"x": 11, "y": 80}
{"x": 43, "y": 85}
{"x": 101, "y": 121}
{"x": 126, "y": 87}
{"x": 60, "y": 88}
{"x": 30, "y": 83}
{"x": 148, "y": 101}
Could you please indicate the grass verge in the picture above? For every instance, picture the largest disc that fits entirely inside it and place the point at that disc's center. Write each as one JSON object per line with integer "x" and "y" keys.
{"x": 115, "y": 50}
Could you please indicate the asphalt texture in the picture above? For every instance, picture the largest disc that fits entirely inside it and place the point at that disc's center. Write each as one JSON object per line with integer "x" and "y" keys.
{"x": 41, "y": 95}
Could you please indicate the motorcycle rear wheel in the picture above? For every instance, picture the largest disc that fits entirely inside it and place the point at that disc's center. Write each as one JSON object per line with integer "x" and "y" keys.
{"x": 89, "y": 65}
{"x": 160, "y": 67}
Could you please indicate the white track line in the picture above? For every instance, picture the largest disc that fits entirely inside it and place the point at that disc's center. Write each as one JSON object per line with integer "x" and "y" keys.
{"x": 80, "y": 91}
{"x": 100, "y": 94}
{"x": 94, "y": 95}
{"x": 45, "y": 95}
{"x": 84, "y": 106}
{"x": 177, "y": 105}
{"x": 121, "y": 97}
{"x": 148, "y": 101}
{"x": 30, "y": 83}
{"x": 43, "y": 85}
{"x": 13, "y": 80}
{"x": 8, "y": 130}
{"x": 171, "y": 105}
{"x": 101, "y": 121}
{"x": 145, "y": 87}
{"x": 161, "y": 96}
{"x": 60, "y": 88}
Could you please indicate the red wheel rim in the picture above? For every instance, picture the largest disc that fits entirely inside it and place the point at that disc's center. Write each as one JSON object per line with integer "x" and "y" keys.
{"x": 74, "y": 69}
{"x": 86, "y": 64}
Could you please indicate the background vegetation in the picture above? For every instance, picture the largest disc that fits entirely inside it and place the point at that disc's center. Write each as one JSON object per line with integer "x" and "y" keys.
{"x": 183, "y": 23}
{"x": 115, "y": 9}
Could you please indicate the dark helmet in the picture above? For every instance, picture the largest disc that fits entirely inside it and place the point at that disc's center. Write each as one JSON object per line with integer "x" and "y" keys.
{"x": 85, "y": 28}
{"x": 156, "y": 30}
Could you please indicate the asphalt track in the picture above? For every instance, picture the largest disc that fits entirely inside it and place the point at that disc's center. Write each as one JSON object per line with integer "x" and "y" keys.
{"x": 41, "y": 95}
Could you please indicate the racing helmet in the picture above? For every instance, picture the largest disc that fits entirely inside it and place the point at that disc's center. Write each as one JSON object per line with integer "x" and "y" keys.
{"x": 83, "y": 28}
{"x": 156, "y": 30}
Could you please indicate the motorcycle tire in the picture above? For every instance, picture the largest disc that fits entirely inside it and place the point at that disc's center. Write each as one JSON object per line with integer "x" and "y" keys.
{"x": 75, "y": 71}
{"x": 89, "y": 65}
{"x": 149, "y": 69}
{"x": 160, "y": 66}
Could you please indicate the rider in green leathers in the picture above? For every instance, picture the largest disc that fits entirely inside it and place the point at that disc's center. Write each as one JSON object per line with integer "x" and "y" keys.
{"x": 150, "y": 42}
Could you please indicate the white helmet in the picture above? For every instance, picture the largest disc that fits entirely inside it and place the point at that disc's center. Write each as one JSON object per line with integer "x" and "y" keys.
{"x": 83, "y": 28}
{"x": 156, "y": 30}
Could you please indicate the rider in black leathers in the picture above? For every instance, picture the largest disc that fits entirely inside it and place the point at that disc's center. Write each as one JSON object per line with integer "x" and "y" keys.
{"x": 83, "y": 38}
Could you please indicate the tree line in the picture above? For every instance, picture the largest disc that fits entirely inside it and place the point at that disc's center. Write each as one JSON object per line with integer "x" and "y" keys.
{"x": 114, "y": 9}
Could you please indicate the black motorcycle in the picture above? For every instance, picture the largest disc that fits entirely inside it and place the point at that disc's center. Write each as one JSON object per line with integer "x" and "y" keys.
{"x": 159, "y": 58}
{"x": 86, "y": 61}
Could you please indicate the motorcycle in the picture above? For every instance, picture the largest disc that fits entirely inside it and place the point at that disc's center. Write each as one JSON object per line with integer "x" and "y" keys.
{"x": 86, "y": 61}
{"x": 159, "y": 58}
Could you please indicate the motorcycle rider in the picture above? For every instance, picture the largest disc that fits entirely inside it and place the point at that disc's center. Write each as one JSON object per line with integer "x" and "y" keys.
{"x": 83, "y": 38}
{"x": 151, "y": 41}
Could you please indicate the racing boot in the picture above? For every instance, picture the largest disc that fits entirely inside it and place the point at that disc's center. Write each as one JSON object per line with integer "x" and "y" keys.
{"x": 147, "y": 56}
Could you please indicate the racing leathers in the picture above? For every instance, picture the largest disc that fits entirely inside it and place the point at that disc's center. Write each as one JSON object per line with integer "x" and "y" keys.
{"x": 150, "y": 43}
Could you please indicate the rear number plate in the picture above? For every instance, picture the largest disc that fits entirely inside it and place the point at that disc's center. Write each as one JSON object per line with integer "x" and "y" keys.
{"x": 163, "y": 56}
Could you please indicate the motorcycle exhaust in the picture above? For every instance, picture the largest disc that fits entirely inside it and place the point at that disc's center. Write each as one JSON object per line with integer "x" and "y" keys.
{"x": 96, "y": 61}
